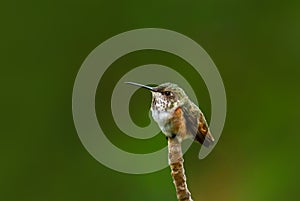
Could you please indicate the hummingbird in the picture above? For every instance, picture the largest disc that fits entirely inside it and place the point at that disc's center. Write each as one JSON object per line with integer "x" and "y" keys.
{"x": 176, "y": 115}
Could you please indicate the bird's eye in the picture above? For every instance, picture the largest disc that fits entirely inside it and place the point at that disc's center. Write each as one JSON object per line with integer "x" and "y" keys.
{"x": 167, "y": 93}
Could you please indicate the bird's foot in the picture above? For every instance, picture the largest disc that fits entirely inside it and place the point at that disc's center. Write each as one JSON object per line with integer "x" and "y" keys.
{"x": 172, "y": 136}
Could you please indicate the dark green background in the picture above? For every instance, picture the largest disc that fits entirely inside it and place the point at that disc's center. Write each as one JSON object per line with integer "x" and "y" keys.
{"x": 255, "y": 45}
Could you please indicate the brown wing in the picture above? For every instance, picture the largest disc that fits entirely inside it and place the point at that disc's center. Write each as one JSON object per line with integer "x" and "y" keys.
{"x": 203, "y": 135}
{"x": 197, "y": 125}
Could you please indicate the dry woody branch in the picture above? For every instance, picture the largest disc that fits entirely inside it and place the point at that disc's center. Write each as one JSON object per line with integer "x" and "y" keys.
{"x": 177, "y": 170}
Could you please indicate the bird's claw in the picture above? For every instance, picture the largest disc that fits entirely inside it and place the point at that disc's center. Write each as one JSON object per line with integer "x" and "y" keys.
{"x": 172, "y": 136}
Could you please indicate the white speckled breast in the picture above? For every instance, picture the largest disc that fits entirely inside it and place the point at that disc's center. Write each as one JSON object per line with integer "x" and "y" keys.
{"x": 162, "y": 114}
{"x": 162, "y": 118}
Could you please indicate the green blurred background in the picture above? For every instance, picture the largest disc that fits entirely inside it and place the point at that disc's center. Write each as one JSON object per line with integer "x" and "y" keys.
{"x": 255, "y": 45}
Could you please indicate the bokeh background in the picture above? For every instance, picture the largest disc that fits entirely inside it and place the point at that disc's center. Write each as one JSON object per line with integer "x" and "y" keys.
{"x": 255, "y": 45}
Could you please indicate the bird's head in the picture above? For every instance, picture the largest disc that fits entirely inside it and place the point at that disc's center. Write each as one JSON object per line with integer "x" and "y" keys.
{"x": 166, "y": 96}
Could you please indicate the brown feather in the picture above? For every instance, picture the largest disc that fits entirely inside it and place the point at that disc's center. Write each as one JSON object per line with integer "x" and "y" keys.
{"x": 196, "y": 124}
{"x": 203, "y": 135}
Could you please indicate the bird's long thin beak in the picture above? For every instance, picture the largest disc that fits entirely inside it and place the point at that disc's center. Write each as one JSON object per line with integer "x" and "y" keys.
{"x": 142, "y": 86}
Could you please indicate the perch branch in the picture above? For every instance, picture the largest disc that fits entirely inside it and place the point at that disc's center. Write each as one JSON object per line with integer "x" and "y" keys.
{"x": 177, "y": 170}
